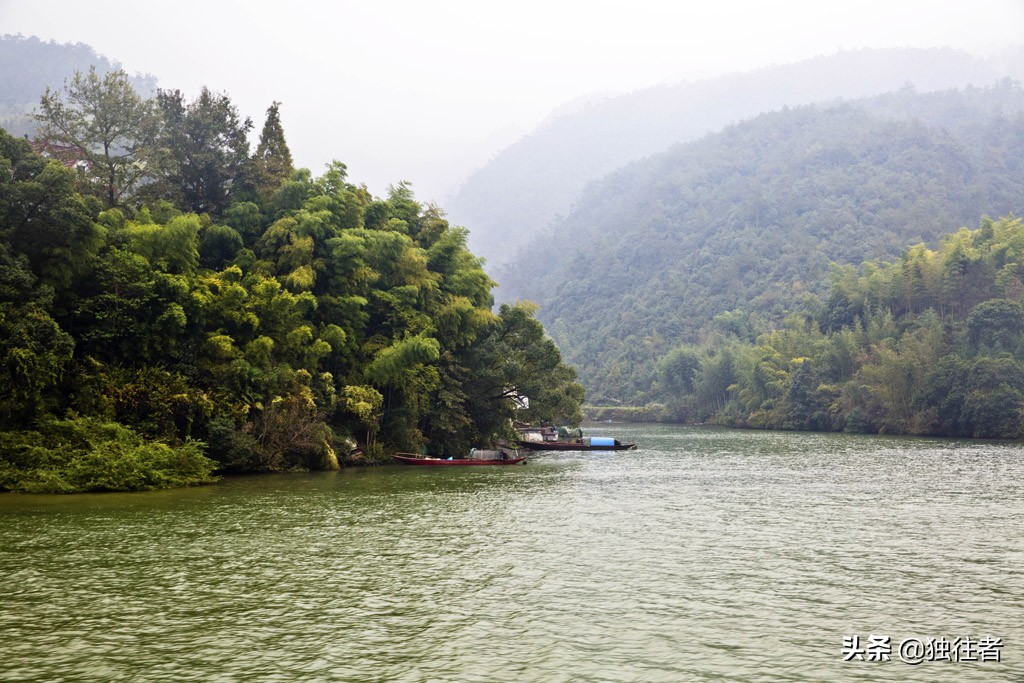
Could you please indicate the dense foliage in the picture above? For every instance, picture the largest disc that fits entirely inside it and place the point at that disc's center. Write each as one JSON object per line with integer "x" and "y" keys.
{"x": 179, "y": 307}
{"x": 930, "y": 343}
{"x": 735, "y": 232}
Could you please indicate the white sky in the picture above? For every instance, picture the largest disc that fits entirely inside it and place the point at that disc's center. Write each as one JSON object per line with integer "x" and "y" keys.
{"x": 427, "y": 90}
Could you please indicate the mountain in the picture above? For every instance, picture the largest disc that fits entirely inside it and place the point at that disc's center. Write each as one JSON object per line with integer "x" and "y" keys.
{"x": 30, "y": 65}
{"x": 532, "y": 182}
{"x": 740, "y": 227}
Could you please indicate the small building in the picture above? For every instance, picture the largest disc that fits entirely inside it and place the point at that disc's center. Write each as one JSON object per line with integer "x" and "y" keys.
{"x": 69, "y": 155}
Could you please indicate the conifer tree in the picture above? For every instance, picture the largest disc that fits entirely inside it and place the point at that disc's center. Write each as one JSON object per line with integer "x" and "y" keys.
{"x": 273, "y": 160}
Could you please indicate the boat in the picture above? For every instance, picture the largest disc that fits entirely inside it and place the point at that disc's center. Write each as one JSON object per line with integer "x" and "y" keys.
{"x": 476, "y": 456}
{"x": 565, "y": 439}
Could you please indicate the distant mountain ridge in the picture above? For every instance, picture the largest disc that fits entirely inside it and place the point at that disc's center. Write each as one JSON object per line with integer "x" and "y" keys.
{"x": 745, "y": 222}
{"x": 532, "y": 182}
{"x": 29, "y": 65}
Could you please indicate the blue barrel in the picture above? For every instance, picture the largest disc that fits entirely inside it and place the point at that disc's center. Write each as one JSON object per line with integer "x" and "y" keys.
{"x": 601, "y": 441}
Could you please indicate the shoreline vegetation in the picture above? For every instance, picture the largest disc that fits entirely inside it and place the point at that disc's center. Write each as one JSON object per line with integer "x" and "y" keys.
{"x": 175, "y": 306}
{"x": 929, "y": 344}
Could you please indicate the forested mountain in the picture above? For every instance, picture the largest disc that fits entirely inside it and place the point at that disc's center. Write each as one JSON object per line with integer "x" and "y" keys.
{"x": 28, "y": 66}
{"x": 736, "y": 230}
{"x": 178, "y": 304}
{"x": 530, "y": 183}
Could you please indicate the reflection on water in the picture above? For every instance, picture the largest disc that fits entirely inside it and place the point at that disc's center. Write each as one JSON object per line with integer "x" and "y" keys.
{"x": 705, "y": 555}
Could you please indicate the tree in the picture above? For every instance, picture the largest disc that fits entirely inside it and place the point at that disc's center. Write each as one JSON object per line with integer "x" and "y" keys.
{"x": 173, "y": 248}
{"x": 982, "y": 398}
{"x": 116, "y": 308}
{"x": 711, "y": 384}
{"x": 291, "y": 435}
{"x": 678, "y": 368}
{"x": 42, "y": 216}
{"x": 219, "y": 244}
{"x": 34, "y": 352}
{"x": 108, "y": 123}
{"x": 515, "y": 359}
{"x": 204, "y": 151}
{"x": 272, "y": 163}
{"x": 996, "y": 324}
{"x": 367, "y": 404}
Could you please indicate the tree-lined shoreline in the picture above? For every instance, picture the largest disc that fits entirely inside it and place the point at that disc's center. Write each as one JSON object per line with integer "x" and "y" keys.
{"x": 174, "y": 306}
{"x": 929, "y": 344}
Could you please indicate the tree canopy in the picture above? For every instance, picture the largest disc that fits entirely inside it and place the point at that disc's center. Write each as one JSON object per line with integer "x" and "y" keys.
{"x": 106, "y": 122}
{"x": 929, "y": 343}
{"x": 229, "y": 313}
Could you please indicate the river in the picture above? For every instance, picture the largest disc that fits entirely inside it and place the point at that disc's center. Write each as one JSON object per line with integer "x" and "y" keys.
{"x": 704, "y": 555}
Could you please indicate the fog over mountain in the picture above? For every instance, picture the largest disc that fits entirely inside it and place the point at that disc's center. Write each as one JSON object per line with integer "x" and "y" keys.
{"x": 528, "y": 184}
{"x": 30, "y": 65}
{"x": 402, "y": 90}
{"x": 744, "y": 223}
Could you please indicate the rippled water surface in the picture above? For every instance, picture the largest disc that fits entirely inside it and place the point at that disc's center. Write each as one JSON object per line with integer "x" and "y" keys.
{"x": 705, "y": 555}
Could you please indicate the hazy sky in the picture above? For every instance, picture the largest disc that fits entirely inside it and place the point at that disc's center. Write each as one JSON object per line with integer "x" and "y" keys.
{"x": 425, "y": 90}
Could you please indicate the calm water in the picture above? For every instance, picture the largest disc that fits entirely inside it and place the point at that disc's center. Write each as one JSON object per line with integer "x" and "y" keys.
{"x": 705, "y": 555}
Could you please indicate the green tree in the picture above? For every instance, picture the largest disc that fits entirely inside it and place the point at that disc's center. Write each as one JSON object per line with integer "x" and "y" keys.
{"x": 983, "y": 397}
{"x": 808, "y": 402}
{"x": 367, "y": 404}
{"x": 172, "y": 248}
{"x": 116, "y": 310}
{"x": 515, "y": 359}
{"x": 204, "y": 150}
{"x": 272, "y": 162}
{"x": 711, "y": 385}
{"x": 108, "y": 123}
{"x": 43, "y": 217}
{"x": 34, "y": 354}
{"x": 219, "y": 245}
{"x": 996, "y": 324}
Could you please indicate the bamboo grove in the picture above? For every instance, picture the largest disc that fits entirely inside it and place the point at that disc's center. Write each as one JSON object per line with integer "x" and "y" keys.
{"x": 174, "y": 306}
{"x": 930, "y": 344}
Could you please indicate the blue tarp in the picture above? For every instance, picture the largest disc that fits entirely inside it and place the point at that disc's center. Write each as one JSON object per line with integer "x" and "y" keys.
{"x": 601, "y": 441}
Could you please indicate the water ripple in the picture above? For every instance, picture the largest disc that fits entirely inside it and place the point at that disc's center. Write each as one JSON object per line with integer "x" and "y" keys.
{"x": 705, "y": 555}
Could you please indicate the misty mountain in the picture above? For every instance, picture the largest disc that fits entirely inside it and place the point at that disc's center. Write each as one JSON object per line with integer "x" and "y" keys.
{"x": 537, "y": 179}
{"x": 29, "y": 65}
{"x": 739, "y": 228}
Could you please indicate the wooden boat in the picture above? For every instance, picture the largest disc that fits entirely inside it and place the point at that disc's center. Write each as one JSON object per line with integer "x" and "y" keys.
{"x": 506, "y": 458}
{"x": 566, "y": 439}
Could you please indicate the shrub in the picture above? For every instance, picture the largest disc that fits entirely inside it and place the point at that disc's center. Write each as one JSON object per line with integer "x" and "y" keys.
{"x": 84, "y": 454}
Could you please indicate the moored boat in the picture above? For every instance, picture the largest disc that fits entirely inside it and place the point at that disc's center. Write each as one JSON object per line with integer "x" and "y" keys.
{"x": 502, "y": 456}
{"x": 564, "y": 439}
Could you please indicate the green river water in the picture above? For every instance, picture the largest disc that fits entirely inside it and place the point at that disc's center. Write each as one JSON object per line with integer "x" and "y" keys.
{"x": 704, "y": 555}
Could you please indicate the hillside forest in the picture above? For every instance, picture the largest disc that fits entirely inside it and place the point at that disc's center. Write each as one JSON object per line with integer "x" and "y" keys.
{"x": 931, "y": 343}
{"x": 533, "y": 182}
{"x": 175, "y": 305}
{"x": 670, "y": 262}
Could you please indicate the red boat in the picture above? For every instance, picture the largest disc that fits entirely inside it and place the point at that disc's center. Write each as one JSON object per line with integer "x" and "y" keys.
{"x": 413, "y": 459}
